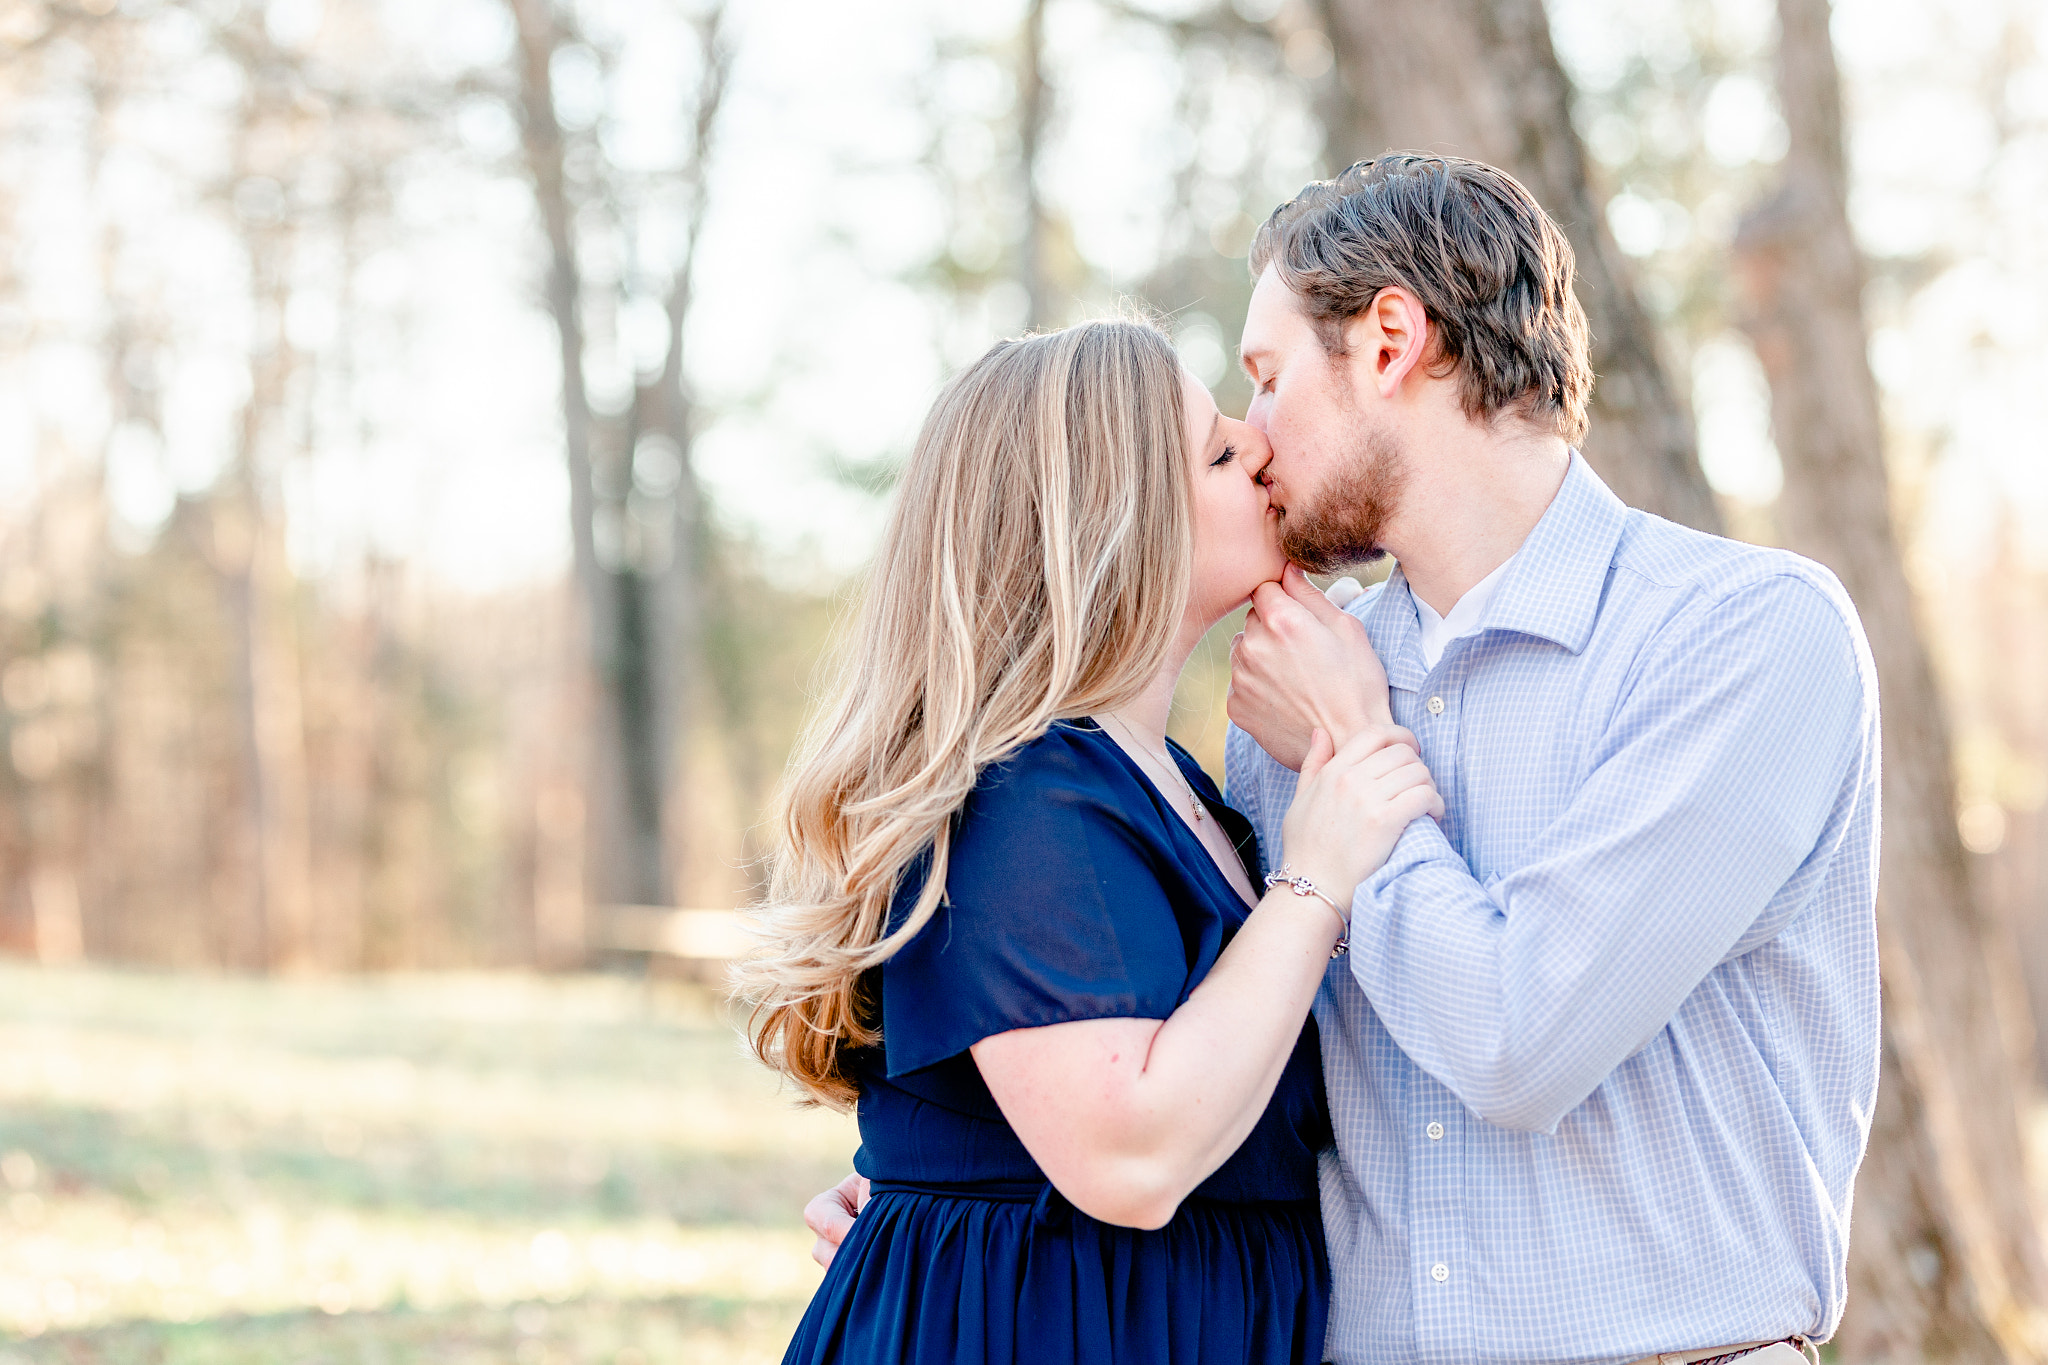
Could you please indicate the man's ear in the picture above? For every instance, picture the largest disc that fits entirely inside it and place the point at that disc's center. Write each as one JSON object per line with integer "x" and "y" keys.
{"x": 1388, "y": 340}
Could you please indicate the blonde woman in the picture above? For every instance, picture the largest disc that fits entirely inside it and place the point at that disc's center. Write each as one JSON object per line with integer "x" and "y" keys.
{"x": 1022, "y": 932}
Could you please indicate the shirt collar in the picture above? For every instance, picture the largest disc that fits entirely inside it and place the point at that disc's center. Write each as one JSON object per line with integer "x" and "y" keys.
{"x": 1396, "y": 634}
{"x": 1552, "y": 590}
{"x": 1560, "y": 572}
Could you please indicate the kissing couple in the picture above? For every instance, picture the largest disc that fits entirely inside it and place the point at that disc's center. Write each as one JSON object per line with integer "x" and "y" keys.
{"x": 1520, "y": 1002}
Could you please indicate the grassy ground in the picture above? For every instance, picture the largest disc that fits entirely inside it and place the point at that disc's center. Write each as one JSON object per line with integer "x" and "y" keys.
{"x": 209, "y": 1171}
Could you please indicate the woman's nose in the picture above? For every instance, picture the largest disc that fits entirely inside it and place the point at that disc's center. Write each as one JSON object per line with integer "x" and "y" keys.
{"x": 1258, "y": 455}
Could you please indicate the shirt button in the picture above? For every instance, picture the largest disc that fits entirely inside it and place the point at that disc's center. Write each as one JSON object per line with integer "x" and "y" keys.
{"x": 1435, "y": 1131}
{"x": 1439, "y": 1272}
{"x": 1436, "y": 706}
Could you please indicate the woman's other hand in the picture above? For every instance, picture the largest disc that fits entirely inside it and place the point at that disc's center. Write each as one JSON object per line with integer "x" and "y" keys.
{"x": 1352, "y": 804}
{"x": 830, "y": 1216}
{"x": 1303, "y": 664}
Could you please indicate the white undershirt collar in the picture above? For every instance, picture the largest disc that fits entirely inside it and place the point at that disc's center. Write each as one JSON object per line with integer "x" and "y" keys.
{"x": 1466, "y": 614}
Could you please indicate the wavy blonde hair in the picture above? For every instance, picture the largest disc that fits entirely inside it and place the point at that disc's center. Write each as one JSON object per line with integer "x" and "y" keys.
{"x": 1035, "y": 569}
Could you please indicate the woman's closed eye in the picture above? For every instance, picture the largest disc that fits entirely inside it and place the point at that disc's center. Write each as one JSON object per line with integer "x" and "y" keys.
{"x": 1229, "y": 454}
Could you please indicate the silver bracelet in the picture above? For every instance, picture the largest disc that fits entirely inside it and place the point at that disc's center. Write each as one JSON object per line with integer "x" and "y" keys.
{"x": 1302, "y": 886}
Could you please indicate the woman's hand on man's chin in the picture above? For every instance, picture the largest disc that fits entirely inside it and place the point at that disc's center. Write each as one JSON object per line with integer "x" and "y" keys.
{"x": 1301, "y": 664}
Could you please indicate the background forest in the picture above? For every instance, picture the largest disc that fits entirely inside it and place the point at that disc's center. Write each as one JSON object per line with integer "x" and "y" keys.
{"x": 437, "y": 436}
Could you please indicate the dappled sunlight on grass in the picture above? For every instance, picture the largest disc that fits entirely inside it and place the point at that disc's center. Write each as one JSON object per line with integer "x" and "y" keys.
{"x": 191, "y": 1163}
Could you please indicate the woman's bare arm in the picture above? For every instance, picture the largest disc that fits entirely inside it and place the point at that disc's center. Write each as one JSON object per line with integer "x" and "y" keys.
{"x": 1126, "y": 1116}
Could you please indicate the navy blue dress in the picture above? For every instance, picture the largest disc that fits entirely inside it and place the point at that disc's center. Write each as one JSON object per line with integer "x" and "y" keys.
{"x": 1075, "y": 893}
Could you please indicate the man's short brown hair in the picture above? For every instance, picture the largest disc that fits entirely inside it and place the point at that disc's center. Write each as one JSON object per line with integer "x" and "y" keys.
{"x": 1490, "y": 269}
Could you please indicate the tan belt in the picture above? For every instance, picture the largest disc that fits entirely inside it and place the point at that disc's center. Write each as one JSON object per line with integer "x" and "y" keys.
{"x": 1781, "y": 1352}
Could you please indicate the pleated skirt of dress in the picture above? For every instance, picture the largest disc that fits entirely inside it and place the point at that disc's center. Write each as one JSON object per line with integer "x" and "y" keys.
{"x": 939, "y": 1279}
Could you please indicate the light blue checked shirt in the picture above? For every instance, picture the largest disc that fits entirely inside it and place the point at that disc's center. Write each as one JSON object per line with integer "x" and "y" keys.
{"x": 1602, "y": 1057}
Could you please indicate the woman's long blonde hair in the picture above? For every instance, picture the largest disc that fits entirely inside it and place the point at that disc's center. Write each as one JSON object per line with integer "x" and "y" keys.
{"x": 1035, "y": 569}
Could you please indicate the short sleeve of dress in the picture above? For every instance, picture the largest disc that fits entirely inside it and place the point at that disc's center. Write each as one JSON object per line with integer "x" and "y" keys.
{"x": 1055, "y": 911}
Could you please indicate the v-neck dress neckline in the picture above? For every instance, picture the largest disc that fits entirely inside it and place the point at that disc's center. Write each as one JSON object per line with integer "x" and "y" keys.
{"x": 1243, "y": 840}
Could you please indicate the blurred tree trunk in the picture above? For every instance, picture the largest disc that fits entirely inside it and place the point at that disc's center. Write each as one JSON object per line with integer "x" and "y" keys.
{"x": 617, "y": 858}
{"x": 1480, "y": 79}
{"x": 1033, "y": 100}
{"x": 248, "y": 556}
{"x": 670, "y": 408}
{"x": 343, "y": 859}
{"x": 632, "y": 475}
{"x": 274, "y": 852}
{"x": 1945, "y": 1262}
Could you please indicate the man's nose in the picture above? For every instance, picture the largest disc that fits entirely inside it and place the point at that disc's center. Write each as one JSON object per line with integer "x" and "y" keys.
{"x": 1260, "y": 412}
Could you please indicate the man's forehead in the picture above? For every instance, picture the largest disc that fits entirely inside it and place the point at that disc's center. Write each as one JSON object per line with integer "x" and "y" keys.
{"x": 1271, "y": 304}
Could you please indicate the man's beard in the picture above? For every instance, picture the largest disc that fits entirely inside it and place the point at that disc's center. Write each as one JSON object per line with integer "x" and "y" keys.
{"x": 1343, "y": 525}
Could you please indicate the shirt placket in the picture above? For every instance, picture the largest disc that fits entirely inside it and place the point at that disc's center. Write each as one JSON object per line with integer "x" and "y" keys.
{"x": 1443, "y": 1272}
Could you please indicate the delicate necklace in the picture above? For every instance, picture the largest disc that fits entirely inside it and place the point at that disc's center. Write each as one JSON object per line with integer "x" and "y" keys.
{"x": 1194, "y": 801}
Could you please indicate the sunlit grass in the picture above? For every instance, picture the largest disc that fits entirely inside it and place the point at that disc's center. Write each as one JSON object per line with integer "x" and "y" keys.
{"x": 206, "y": 1169}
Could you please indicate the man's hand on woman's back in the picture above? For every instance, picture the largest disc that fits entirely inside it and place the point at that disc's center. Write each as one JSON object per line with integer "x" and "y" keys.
{"x": 831, "y": 1216}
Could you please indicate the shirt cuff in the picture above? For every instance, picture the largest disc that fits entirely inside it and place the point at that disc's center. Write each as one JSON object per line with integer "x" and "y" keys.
{"x": 1422, "y": 842}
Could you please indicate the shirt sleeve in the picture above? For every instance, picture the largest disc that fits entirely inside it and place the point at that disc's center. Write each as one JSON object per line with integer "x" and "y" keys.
{"x": 1241, "y": 786}
{"x": 1055, "y": 911}
{"x": 1718, "y": 782}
